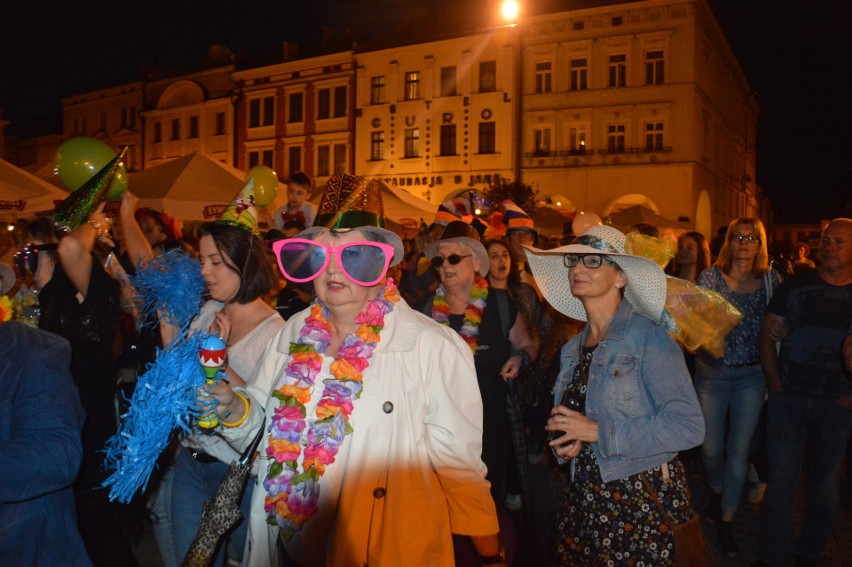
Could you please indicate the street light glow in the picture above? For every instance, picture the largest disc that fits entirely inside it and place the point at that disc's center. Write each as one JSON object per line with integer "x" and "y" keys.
{"x": 510, "y": 9}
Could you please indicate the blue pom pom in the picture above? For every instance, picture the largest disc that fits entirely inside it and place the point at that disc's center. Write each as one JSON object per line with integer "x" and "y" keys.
{"x": 170, "y": 284}
{"x": 164, "y": 399}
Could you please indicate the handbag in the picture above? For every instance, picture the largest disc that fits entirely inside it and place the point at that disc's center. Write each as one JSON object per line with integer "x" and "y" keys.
{"x": 690, "y": 547}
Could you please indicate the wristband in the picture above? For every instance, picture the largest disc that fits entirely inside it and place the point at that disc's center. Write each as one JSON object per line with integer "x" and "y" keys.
{"x": 247, "y": 402}
{"x": 525, "y": 358}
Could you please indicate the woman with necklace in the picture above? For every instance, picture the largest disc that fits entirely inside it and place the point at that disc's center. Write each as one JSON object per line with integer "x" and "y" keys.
{"x": 624, "y": 405}
{"x": 372, "y": 430}
{"x": 734, "y": 386}
{"x": 487, "y": 319}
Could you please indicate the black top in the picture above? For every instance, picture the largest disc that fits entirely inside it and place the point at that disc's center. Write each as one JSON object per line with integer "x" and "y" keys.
{"x": 89, "y": 326}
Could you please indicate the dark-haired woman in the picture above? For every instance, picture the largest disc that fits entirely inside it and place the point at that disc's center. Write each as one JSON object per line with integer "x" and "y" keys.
{"x": 692, "y": 258}
{"x": 80, "y": 302}
{"x": 237, "y": 274}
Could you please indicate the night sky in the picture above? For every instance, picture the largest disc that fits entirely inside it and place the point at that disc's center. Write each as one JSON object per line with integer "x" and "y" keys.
{"x": 794, "y": 53}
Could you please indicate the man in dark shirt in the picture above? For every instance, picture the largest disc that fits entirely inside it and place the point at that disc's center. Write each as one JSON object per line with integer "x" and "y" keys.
{"x": 810, "y": 399}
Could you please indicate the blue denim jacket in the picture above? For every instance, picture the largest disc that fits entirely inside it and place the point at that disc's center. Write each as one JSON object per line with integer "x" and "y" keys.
{"x": 639, "y": 393}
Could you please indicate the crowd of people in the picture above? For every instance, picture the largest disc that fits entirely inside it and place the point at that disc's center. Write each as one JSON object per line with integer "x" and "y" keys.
{"x": 397, "y": 389}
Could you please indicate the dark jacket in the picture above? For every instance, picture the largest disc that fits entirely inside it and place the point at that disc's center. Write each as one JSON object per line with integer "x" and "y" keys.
{"x": 40, "y": 448}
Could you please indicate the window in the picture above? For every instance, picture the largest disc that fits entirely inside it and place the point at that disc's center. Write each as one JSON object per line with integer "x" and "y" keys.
{"x": 220, "y": 124}
{"x": 541, "y": 141}
{"x": 296, "y": 110}
{"x": 653, "y": 136}
{"x": 123, "y": 118}
{"x": 261, "y": 112}
{"x": 175, "y": 129}
{"x": 448, "y": 140}
{"x": 448, "y": 81}
{"x": 577, "y": 140}
{"x": 323, "y": 161}
{"x": 158, "y": 132}
{"x": 377, "y": 146}
{"x": 412, "y": 85}
{"x": 193, "y": 127}
{"x": 103, "y": 122}
{"x": 294, "y": 159}
{"x": 617, "y": 71}
{"x": 412, "y": 142}
{"x": 579, "y": 25}
{"x": 340, "y": 101}
{"x": 339, "y": 158}
{"x": 323, "y": 104}
{"x": 543, "y": 78}
{"x": 615, "y": 138}
{"x": 487, "y": 138}
{"x": 377, "y": 90}
{"x": 260, "y": 157}
{"x": 488, "y": 76}
{"x": 617, "y": 20}
{"x": 131, "y": 122}
{"x": 579, "y": 74}
{"x": 655, "y": 65}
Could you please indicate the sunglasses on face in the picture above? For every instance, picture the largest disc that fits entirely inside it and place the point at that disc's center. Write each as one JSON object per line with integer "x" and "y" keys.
{"x": 27, "y": 259}
{"x": 591, "y": 261}
{"x": 363, "y": 262}
{"x": 737, "y": 237}
{"x": 453, "y": 259}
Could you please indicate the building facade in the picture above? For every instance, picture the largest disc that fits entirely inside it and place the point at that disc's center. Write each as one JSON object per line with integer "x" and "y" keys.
{"x": 639, "y": 103}
{"x": 298, "y": 116}
{"x": 190, "y": 113}
{"x": 434, "y": 118}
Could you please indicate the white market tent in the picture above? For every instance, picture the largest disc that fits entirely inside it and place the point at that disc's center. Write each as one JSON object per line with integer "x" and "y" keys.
{"x": 22, "y": 193}
{"x": 194, "y": 187}
{"x": 400, "y": 206}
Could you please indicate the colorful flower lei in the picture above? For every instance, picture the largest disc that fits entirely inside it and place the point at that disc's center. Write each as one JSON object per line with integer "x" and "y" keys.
{"x": 5, "y": 308}
{"x": 293, "y": 495}
{"x": 472, "y": 315}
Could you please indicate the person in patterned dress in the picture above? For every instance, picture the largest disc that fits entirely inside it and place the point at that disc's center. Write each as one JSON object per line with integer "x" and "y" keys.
{"x": 633, "y": 403}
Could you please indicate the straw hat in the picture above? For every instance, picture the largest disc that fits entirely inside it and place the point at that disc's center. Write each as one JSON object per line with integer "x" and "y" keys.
{"x": 646, "y": 281}
{"x": 463, "y": 233}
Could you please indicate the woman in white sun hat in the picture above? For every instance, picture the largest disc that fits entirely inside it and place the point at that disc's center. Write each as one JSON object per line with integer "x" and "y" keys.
{"x": 634, "y": 404}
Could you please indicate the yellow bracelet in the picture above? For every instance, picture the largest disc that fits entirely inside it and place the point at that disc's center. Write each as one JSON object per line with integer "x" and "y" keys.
{"x": 245, "y": 415}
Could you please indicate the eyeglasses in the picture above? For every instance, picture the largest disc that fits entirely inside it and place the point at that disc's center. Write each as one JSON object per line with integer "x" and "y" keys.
{"x": 364, "y": 262}
{"x": 744, "y": 238}
{"x": 453, "y": 259}
{"x": 591, "y": 261}
{"x": 27, "y": 259}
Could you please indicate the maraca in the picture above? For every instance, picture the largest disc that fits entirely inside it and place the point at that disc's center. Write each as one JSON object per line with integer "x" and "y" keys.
{"x": 211, "y": 355}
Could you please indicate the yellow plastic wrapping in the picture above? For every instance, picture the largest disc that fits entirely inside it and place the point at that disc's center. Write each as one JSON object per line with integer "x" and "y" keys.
{"x": 703, "y": 317}
{"x": 659, "y": 249}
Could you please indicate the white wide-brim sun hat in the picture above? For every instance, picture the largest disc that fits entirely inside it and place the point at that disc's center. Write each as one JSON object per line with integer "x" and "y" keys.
{"x": 646, "y": 281}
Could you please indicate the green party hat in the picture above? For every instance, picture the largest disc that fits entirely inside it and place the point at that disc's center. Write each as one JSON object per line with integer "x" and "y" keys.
{"x": 350, "y": 201}
{"x": 242, "y": 212}
{"x": 76, "y": 208}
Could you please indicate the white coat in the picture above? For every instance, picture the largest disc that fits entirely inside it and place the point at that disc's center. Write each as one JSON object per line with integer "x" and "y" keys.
{"x": 409, "y": 475}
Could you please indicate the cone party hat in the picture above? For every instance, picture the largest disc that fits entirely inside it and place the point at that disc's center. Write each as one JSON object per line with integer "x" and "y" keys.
{"x": 74, "y": 210}
{"x": 242, "y": 212}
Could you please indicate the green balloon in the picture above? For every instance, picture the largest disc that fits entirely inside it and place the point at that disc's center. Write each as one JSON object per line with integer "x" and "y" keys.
{"x": 265, "y": 184}
{"x": 119, "y": 184}
{"x": 80, "y": 158}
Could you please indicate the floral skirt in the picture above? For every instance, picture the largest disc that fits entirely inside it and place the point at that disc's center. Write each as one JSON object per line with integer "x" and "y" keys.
{"x": 618, "y": 523}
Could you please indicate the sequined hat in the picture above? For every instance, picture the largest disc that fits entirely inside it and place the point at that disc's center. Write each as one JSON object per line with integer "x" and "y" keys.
{"x": 352, "y": 202}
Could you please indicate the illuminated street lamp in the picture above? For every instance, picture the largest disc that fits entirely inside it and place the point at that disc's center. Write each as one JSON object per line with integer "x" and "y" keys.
{"x": 509, "y": 10}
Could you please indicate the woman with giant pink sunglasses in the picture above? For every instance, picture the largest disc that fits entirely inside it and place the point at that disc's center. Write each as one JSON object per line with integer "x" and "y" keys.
{"x": 372, "y": 426}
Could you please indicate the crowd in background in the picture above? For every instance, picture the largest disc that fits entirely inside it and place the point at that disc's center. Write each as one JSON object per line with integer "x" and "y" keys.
{"x": 782, "y": 383}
